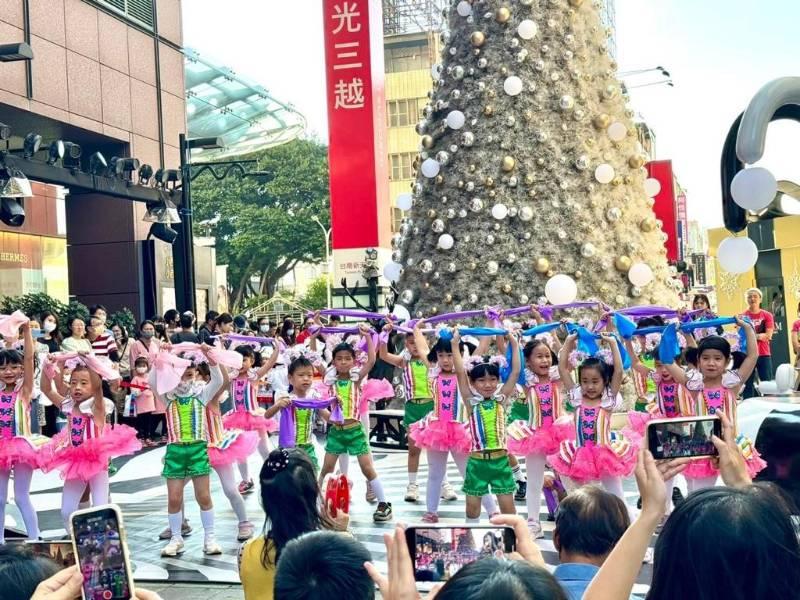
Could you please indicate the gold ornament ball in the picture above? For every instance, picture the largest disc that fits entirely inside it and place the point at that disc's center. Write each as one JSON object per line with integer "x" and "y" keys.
{"x": 541, "y": 265}
{"x": 506, "y": 288}
{"x": 431, "y": 213}
{"x": 508, "y": 163}
{"x": 604, "y": 289}
{"x": 648, "y": 224}
{"x": 636, "y": 162}
{"x": 575, "y": 3}
{"x": 472, "y": 168}
{"x": 427, "y": 284}
{"x": 427, "y": 141}
{"x": 601, "y": 121}
{"x": 503, "y": 71}
{"x": 616, "y": 181}
{"x": 622, "y": 263}
{"x": 550, "y": 273}
{"x": 439, "y": 179}
{"x": 433, "y": 310}
{"x": 448, "y": 298}
{"x": 490, "y": 93}
{"x": 578, "y": 274}
{"x": 492, "y": 193}
{"x": 627, "y": 180}
{"x": 532, "y": 193}
{"x": 502, "y": 15}
{"x": 460, "y": 184}
{"x": 477, "y": 38}
{"x": 489, "y": 181}
{"x": 472, "y": 266}
{"x": 529, "y": 180}
{"x": 488, "y": 110}
{"x": 610, "y": 91}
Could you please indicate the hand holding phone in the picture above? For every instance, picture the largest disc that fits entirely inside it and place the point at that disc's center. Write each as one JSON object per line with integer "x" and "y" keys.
{"x": 688, "y": 437}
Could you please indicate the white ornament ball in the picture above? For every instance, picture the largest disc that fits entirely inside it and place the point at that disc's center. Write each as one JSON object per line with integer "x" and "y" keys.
{"x": 640, "y": 274}
{"x": 499, "y": 211}
{"x": 446, "y": 241}
{"x": 430, "y": 168}
{"x": 406, "y": 296}
{"x": 754, "y": 188}
{"x": 617, "y": 131}
{"x": 392, "y": 271}
{"x": 588, "y": 250}
{"x": 437, "y": 225}
{"x": 426, "y": 266}
{"x": 436, "y": 71}
{"x": 464, "y": 8}
{"x": 455, "y": 119}
{"x": 613, "y": 214}
{"x": 561, "y": 289}
{"x": 737, "y": 254}
{"x": 652, "y": 187}
{"x": 525, "y": 213}
{"x": 527, "y": 29}
{"x": 604, "y": 173}
{"x": 403, "y": 201}
{"x": 512, "y": 85}
{"x": 476, "y": 205}
{"x": 566, "y": 102}
{"x": 492, "y": 267}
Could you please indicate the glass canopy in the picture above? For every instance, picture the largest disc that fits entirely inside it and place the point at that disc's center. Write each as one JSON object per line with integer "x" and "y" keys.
{"x": 220, "y": 103}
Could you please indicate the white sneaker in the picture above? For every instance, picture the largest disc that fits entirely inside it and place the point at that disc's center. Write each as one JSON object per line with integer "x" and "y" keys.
{"x": 174, "y": 547}
{"x": 535, "y": 529}
{"x": 211, "y": 547}
{"x": 412, "y": 492}
{"x": 371, "y": 497}
{"x": 448, "y": 493}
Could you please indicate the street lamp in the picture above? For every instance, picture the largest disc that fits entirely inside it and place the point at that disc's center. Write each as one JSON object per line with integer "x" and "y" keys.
{"x": 327, "y": 232}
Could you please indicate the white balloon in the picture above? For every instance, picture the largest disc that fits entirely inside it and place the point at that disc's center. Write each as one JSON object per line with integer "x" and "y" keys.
{"x": 403, "y": 201}
{"x": 617, "y": 131}
{"x": 604, "y": 173}
{"x": 455, "y": 119}
{"x": 527, "y": 29}
{"x": 640, "y": 274}
{"x": 737, "y": 254}
{"x": 436, "y": 71}
{"x": 392, "y": 271}
{"x": 652, "y": 187}
{"x": 401, "y": 312}
{"x": 499, "y": 211}
{"x": 561, "y": 289}
{"x": 446, "y": 241}
{"x": 754, "y": 188}
{"x": 512, "y": 85}
{"x": 430, "y": 167}
{"x": 464, "y": 8}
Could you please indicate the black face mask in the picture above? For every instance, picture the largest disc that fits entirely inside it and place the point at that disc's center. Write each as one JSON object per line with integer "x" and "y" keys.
{"x": 160, "y": 329}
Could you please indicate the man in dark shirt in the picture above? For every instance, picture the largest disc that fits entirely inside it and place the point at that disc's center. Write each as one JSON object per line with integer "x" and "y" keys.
{"x": 186, "y": 332}
{"x": 207, "y": 328}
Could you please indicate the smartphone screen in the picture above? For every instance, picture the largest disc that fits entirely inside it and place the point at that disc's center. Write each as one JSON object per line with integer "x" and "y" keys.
{"x": 439, "y": 552}
{"x": 101, "y": 554}
{"x": 680, "y": 438}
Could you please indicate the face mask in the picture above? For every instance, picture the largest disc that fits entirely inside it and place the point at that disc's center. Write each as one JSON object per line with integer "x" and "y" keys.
{"x": 290, "y": 332}
{"x": 147, "y": 334}
{"x": 184, "y": 387}
{"x": 49, "y": 326}
{"x": 141, "y": 370}
{"x": 264, "y": 329}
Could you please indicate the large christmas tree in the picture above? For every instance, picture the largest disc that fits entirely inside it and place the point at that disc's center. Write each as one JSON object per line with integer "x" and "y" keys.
{"x": 529, "y": 167}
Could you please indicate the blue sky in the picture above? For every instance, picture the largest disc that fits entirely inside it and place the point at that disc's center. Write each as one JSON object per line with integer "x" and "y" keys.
{"x": 719, "y": 53}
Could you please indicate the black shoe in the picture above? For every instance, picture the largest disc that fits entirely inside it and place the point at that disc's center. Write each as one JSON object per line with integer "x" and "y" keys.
{"x": 639, "y": 503}
{"x": 677, "y": 497}
{"x": 383, "y": 512}
{"x": 522, "y": 490}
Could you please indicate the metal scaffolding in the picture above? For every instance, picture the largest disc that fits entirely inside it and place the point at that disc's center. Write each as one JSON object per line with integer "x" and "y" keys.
{"x": 413, "y": 16}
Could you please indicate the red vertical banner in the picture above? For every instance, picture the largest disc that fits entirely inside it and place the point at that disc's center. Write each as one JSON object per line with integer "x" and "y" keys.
{"x": 665, "y": 205}
{"x": 356, "y": 123}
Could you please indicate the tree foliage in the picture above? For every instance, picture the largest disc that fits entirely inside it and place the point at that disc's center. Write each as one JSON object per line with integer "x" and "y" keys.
{"x": 265, "y": 229}
{"x": 316, "y": 296}
{"x": 33, "y": 305}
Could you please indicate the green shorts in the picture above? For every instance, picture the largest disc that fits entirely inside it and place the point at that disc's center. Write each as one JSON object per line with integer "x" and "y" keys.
{"x": 348, "y": 439}
{"x": 520, "y": 411}
{"x": 312, "y": 454}
{"x": 416, "y": 411}
{"x": 184, "y": 461}
{"x": 484, "y": 474}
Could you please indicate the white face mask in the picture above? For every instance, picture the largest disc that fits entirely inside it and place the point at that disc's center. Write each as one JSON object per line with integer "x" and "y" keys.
{"x": 184, "y": 388}
{"x": 290, "y": 332}
{"x": 264, "y": 329}
{"x": 141, "y": 370}
{"x": 49, "y": 326}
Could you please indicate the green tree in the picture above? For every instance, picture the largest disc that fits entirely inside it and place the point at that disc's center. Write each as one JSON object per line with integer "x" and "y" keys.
{"x": 316, "y": 296}
{"x": 263, "y": 230}
{"x": 33, "y": 305}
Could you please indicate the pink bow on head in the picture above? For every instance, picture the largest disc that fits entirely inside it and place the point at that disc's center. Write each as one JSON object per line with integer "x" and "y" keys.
{"x": 10, "y": 324}
{"x": 168, "y": 371}
{"x": 72, "y": 359}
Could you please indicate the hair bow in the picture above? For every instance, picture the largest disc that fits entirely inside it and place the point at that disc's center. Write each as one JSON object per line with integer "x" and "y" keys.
{"x": 277, "y": 461}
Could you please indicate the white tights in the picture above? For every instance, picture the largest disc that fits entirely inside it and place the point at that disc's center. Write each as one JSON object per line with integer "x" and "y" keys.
{"x": 228, "y": 480}
{"x": 534, "y": 469}
{"x": 437, "y": 471}
{"x": 73, "y": 490}
{"x": 344, "y": 459}
{"x": 263, "y": 450}
{"x": 22, "y": 498}
{"x": 692, "y": 485}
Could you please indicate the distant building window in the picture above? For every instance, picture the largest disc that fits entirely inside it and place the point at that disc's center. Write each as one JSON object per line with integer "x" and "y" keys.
{"x": 406, "y": 58}
{"x": 402, "y": 113}
{"x": 397, "y": 218}
{"x": 139, "y": 11}
{"x": 400, "y": 166}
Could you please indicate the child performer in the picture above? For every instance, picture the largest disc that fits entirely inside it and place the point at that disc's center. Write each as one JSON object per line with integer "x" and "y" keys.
{"x": 540, "y": 432}
{"x": 187, "y": 443}
{"x": 714, "y": 389}
{"x": 346, "y": 434}
{"x": 444, "y": 430}
{"x": 597, "y": 453}
{"x": 142, "y": 400}
{"x": 246, "y": 414}
{"x": 19, "y": 448}
{"x": 419, "y": 400}
{"x": 488, "y": 468}
{"x": 300, "y": 408}
{"x": 81, "y": 451}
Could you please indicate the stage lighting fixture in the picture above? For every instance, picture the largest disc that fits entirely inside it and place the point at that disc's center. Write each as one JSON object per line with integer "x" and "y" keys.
{"x": 5, "y": 131}
{"x": 55, "y": 152}
{"x": 163, "y": 232}
{"x": 31, "y": 144}
{"x": 145, "y": 174}
{"x": 112, "y": 166}
{"x": 172, "y": 176}
{"x": 97, "y": 164}
{"x": 158, "y": 178}
{"x": 125, "y": 167}
{"x": 11, "y": 212}
{"x": 18, "y": 51}
{"x": 72, "y": 155}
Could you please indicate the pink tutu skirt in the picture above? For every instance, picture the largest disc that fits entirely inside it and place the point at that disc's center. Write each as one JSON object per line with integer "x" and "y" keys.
{"x": 22, "y": 451}
{"x": 236, "y": 446}
{"x": 249, "y": 422}
{"x": 434, "y": 434}
{"x": 704, "y": 467}
{"x": 637, "y": 421}
{"x": 91, "y": 457}
{"x": 523, "y": 440}
{"x": 592, "y": 463}
{"x": 373, "y": 390}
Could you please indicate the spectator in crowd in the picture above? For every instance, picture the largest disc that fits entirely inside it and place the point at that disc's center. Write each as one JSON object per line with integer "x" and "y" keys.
{"x": 737, "y": 542}
{"x": 147, "y": 343}
{"x": 207, "y": 328}
{"x": 101, "y": 312}
{"x": 124, "y": 346}
{"x": 224, "y": 326}
{"x": 290, "y": 497}
{"x": 305, "y": 333}
{"x": 171, "y": 319}
{"x": 102, "y": 344}
{"x": 160, "y": 328}
{"x": 764, "y": 326}
{"x": 21, "y": 571}
{"x": 76, "y": 340}
{"x": 266, "y": 328}
{"x": 589, "y": 523}
{"x": 186, "y": 332}
{"x": 51, "y": 336}
{"x": 240, "y": 325}
{"x": 301, "y": 575}
{"x": 287, "y": 333}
